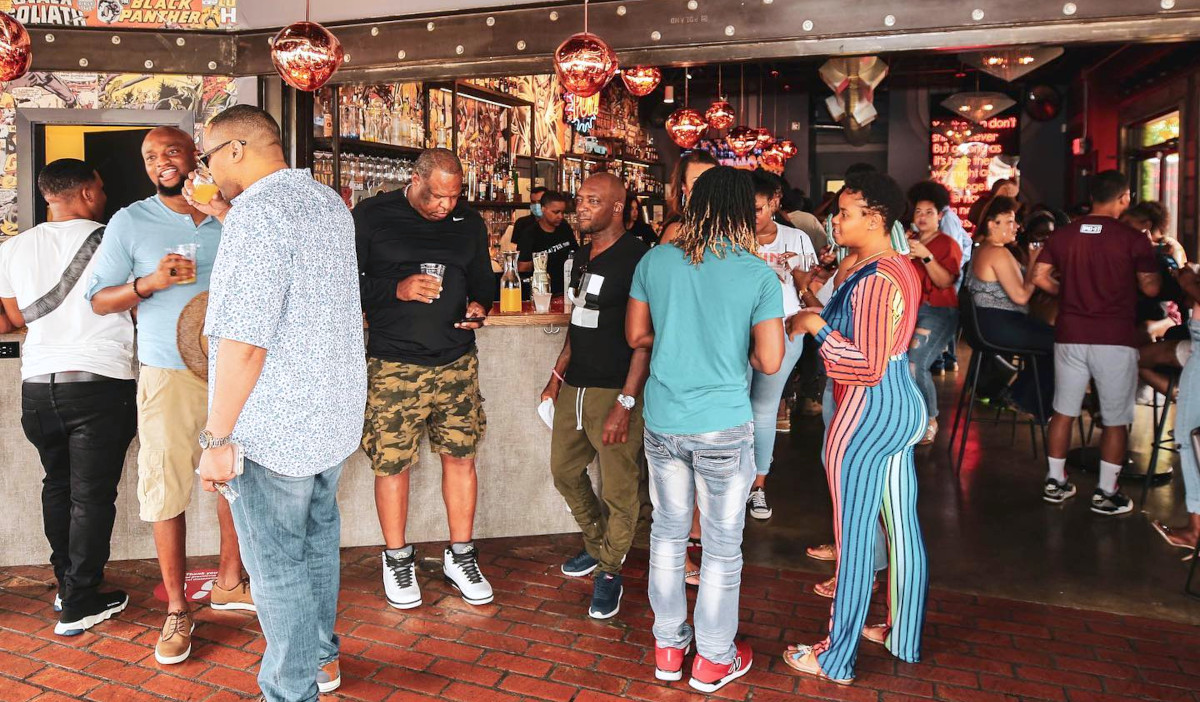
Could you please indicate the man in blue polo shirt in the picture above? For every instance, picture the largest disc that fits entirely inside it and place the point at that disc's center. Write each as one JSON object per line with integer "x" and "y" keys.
{"x": 135, "y": 267}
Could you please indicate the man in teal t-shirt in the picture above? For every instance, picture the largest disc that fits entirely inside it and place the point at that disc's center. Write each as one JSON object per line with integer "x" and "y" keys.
{"x": 704, "y": 305}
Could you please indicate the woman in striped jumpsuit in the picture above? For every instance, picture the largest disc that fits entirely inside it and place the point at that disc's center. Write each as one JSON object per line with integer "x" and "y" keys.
{"x": 864, "y": 334}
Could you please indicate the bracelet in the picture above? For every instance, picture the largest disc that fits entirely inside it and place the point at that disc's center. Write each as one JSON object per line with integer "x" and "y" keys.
{"x": 135, "y": 290}
{"x": 554, "y": 372}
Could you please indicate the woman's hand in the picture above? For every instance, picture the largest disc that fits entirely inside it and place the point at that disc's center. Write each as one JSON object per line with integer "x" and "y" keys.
{"x": 804, "y": 322}
{"x": 918, "y": 250}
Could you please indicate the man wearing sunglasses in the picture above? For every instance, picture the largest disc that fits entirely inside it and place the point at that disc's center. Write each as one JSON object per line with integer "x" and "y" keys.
{"x": 136, "y": 268}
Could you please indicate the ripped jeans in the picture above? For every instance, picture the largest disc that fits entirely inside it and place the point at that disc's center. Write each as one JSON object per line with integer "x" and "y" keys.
{"x": 712, "y": 472}
{"x": 935, "y": 327}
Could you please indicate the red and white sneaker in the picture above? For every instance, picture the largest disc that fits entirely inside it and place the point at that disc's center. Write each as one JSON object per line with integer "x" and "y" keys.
{"x": 710, "y": 677}
{"x": 668, "y": 662}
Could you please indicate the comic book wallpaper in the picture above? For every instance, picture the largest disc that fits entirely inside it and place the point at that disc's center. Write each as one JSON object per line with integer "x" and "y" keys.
{"x": 145, "y": 14}
{"x": 204, "y": 96}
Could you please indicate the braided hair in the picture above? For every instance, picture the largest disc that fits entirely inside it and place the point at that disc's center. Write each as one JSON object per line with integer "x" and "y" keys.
{"x": 719, "y": 216}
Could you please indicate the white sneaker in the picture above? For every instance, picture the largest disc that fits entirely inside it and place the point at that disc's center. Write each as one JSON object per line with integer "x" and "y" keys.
{"x": 400, "y": 581}
{"x": 462, "y": 571}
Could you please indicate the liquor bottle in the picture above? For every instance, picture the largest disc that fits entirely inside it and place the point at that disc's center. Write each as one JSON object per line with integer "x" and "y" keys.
{"x": 568, "y": 265}
{"x": 327, "y": 117}
{"x": 510, "y": 284}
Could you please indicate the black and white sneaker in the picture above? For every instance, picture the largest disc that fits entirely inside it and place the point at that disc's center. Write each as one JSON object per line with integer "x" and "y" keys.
{"x": 75, "y": 620}
{"x": 1057, "y": 492}
{"x": 1111, "y": 505}
{"x": 462, "y": 571}
{"x": 759, "y": 509}
{"x": 400, "y": 581}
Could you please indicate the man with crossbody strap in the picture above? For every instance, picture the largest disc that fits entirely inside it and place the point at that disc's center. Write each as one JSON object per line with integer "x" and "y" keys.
{"x": 78, "y": 393}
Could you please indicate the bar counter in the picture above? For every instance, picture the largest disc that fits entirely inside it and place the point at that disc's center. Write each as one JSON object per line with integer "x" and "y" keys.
{"x": 516, "y": 494}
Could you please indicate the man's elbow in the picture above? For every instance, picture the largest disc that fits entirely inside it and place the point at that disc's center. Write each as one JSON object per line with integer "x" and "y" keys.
{"x": 1152, "y": 288}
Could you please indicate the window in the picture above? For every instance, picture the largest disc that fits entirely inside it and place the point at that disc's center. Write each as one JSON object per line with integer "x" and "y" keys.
{"x": 1155, "y": 164}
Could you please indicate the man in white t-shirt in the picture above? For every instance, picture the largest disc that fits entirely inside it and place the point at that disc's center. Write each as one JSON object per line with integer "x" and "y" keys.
{"x": 787, "y": 251}
{"x": 77, "y": 393}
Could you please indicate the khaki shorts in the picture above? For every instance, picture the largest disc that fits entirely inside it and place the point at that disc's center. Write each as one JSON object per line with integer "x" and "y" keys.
{"x": 404, "y": 398}
{"x": 172, "y": 410}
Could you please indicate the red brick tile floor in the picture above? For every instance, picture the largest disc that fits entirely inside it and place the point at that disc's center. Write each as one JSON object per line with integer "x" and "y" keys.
{"x": 537, "y": 643}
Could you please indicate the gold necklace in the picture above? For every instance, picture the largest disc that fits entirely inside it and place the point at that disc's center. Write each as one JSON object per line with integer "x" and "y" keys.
{"x": 867, "y": 260}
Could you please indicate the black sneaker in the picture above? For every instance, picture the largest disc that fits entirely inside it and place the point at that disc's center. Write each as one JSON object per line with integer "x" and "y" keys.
{"x": 580, "y": 565}
{"x": 76, "y": 619}
{"x": 1057, "y": 492}
{"x": 606, "y": 596}
{"x": 1111, "y": 505}
{"x": 759, "y": 509}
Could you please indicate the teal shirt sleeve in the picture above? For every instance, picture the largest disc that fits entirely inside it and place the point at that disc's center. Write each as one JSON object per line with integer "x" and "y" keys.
{"x": 639, "y": 290}
{"x": 113, "y": 259}
{"x": 769, "y": 304}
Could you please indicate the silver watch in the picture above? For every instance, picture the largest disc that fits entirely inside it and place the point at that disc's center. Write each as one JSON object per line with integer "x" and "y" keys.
{"x": 626, "y": 401}
{"x": 207, "y": 440}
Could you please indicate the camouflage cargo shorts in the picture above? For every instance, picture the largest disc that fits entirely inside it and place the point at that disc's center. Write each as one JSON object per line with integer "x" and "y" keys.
{"x": 404, "y": 398}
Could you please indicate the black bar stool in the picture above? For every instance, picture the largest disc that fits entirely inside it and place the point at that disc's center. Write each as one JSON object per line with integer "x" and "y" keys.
{"x": 1157, "y": 442}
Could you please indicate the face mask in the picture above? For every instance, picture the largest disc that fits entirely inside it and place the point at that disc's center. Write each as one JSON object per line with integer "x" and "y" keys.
{"x": 535, "y": 209}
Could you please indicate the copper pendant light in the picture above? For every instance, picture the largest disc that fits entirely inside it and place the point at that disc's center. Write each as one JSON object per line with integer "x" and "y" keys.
{"x": 685, "y": 125}
{"x": 787, "y": 147}
{"x": 765, "y": 138}
{"x": 15, "y": 52}
{"x": 641, "y": 80}
{"x": 742, "y": 139}
{"x": 584, "y": 62}
{"x": 772, "y": 160}
{"x": 306, "y": 55}
{"x": 720, "y": 114}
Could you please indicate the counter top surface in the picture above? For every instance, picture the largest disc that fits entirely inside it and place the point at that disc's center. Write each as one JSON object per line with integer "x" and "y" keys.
{"x": 528, "y": 317}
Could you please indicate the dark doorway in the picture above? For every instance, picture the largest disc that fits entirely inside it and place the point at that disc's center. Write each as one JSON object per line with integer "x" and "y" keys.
{"x": 117, "y": 157}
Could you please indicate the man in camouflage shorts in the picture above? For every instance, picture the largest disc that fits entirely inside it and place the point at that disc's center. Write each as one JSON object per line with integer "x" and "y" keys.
{"x": 422, "y": 368}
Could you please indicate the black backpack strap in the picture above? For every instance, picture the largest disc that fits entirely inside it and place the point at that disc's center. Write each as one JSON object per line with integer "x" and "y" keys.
{"x": 50, "y": 301}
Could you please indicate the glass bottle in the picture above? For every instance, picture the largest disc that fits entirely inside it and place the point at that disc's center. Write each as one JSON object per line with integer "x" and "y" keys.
{"x": 510, "y": 284}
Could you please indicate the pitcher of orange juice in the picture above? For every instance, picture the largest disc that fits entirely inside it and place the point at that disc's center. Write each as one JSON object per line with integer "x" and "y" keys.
{"x": 510, "y": 284}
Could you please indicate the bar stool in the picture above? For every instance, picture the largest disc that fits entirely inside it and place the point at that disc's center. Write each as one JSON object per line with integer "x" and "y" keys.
{"x": 1157, "y": 442}
{"x": 980, "y": 348}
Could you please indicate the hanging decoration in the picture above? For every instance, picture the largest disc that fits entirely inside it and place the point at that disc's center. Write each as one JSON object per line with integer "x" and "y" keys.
{"x": 15, "y": 52}
{"x": 978, "y": 106}
{"x": 787, "y": 147}
{"x": 853, "y": 82}
{"x": 720, "y": 114}
{"x": 1011, "y": 64}
{"x": 581, "y": 112}
{"x": 742, "y": 139}
{"x": 641, "y": 80}
{"x": 685, "y": 125}
{"x": 765, "y": 138}
{"x": 305, "y": 54}
{"x": 585, "y": 63}
{"x": 772, "y": 160}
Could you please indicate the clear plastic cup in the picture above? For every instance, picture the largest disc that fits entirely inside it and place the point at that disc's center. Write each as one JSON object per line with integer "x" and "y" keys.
{"x": 541, "y": 302}
{"x": 437, "y": 270}
{"x": 188, "y": 251}
{"x": 204, "y": 188}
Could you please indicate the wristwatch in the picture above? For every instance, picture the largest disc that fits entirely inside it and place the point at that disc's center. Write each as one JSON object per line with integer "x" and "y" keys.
{"x": 207, "y": 440}
{"x": 927, "y": 259}
{"x": 626, "y": 401}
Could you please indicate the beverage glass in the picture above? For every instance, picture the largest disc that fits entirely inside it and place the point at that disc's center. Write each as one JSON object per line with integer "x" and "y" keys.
{"x": 541, "y": 302}
{"x": 437, "y": 270}
{"x": 188, "y": 251}
{"x": 204, "y": 188}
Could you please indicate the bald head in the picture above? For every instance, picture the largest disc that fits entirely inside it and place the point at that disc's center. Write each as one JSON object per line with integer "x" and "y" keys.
{"x": 600, "y": 205}
{"x": 169, "y": 154}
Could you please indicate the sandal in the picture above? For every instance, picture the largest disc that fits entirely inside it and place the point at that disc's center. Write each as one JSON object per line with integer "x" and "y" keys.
{"x": 824, "y": 552}
{"x": 797, "y": 658}
{"x": 828, "y": 588}
{"x": 1169, "y": 535}
{"x": 692, "y": 577}
{"x": 877, "y": 633}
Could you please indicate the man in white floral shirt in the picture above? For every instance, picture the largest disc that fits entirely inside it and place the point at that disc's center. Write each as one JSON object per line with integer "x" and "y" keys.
{"x": 287, "y": 372}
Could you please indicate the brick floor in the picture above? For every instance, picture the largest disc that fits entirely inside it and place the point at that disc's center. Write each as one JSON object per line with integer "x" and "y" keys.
{"x": 536, "y": 643}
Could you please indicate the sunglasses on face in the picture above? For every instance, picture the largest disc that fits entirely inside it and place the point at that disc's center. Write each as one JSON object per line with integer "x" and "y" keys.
{"x": 203, "y": 158}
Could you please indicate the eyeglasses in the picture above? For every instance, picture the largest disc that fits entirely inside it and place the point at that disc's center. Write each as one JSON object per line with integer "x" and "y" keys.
{"x": 203, "y": 158}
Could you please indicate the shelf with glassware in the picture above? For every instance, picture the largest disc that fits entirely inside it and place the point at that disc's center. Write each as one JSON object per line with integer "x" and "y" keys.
{"x": 641, "y": 178}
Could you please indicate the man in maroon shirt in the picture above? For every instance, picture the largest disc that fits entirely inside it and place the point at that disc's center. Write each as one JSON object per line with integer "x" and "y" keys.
{"x": 1096, "y": 266}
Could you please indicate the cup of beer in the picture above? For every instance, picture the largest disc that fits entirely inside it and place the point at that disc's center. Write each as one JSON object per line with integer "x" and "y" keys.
{"x": 204, "y": 188}
{"x": 187, "y": 251}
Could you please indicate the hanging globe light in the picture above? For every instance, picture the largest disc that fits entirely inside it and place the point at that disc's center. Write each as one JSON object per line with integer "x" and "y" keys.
{"x": 686, "y": 126}
{"x": 787, "y": 147}
{"x": 765, "y": 138}
{"x": 306, "y": 55}
{"x": 584, "y": 64}
{"x": 772, "y": 160}
{"x": 720, "y": 115}
{"x": 641, "y": 80}
{"x": 15, "y": 52}
{"x": 742, "y": 140}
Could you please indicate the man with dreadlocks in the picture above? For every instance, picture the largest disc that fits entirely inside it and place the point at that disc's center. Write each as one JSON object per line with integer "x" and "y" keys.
{"x": 703, "y": 304}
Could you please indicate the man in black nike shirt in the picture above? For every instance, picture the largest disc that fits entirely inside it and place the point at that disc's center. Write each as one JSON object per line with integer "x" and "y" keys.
{"x": 422, "y": 368}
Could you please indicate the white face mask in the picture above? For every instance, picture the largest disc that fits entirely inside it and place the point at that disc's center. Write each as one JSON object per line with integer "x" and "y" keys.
{"x": 535, "y": 209}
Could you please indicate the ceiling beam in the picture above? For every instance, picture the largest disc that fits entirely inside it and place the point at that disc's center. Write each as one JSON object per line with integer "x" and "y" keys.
{"x": 663, "y": 32}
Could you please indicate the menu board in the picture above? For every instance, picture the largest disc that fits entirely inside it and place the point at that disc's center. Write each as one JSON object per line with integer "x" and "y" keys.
{"x": 968, "y": 157}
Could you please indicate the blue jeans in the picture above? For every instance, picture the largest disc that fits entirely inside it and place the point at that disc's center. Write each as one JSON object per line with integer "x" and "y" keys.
{"x": 1187, "y": 418}
{"x": 289, "y": 530}
{"x": 765, "y": 393}
{"x": 713, "y": 472}
{"x": 881, "y": 542}
{"x": 935, "y": 327}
